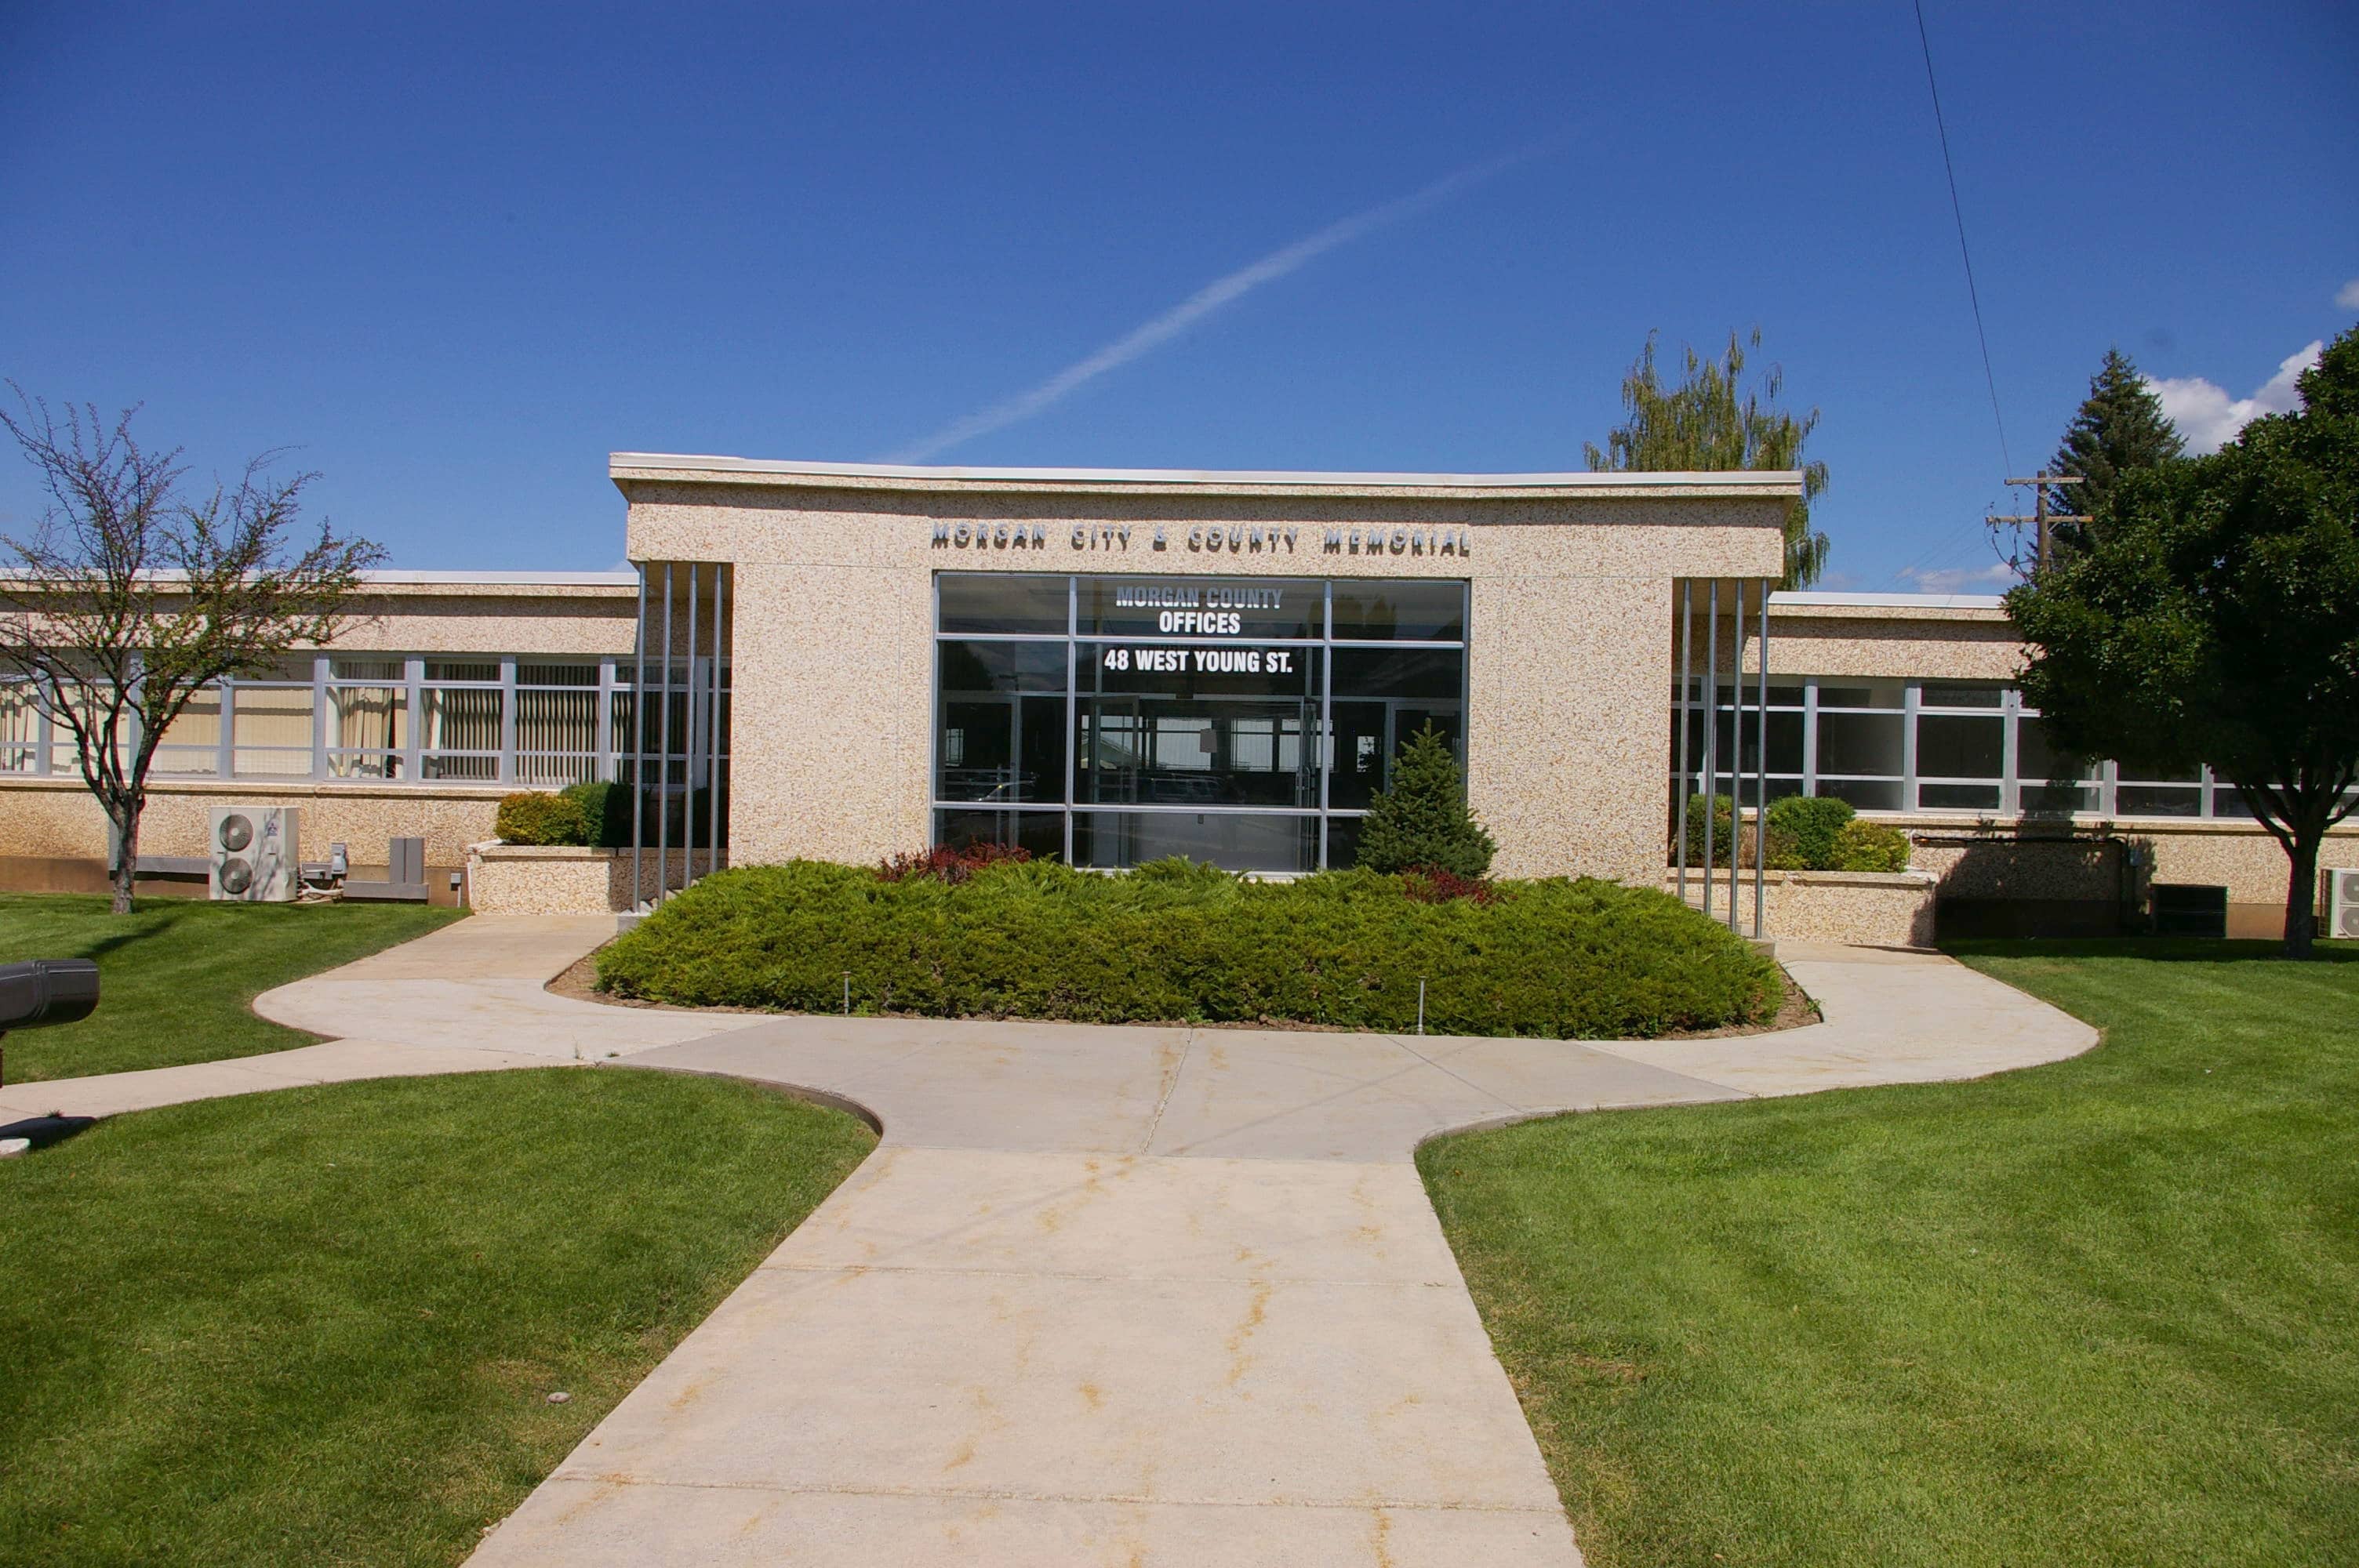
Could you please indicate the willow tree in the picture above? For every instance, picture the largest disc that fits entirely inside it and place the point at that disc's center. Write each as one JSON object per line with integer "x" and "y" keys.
{"x": 1710, "y": 423}
{"x": 128, "y": 597}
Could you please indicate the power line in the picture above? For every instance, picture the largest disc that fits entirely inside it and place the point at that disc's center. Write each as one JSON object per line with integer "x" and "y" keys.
{"x": 1958, "y": 211}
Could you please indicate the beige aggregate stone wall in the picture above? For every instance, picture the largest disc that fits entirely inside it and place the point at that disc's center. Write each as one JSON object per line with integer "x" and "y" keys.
{"x": 1873, "y": 909}
{"x": 1914, "y": 643}
{"x": 832, "y": 630}
{"x": 57, "y": 817}
{"x": 530, "y": 879}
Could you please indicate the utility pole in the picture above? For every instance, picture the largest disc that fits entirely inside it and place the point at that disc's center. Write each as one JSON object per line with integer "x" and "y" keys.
{"x": 2040, "y": 516}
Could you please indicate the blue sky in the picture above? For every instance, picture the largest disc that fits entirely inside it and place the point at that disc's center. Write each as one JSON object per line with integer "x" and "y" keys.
{"x": 456, "y": 255}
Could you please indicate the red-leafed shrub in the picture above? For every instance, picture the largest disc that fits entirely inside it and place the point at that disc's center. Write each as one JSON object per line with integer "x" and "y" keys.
{"x": 944, "y": 864}
{"x": 1438, "y": 884}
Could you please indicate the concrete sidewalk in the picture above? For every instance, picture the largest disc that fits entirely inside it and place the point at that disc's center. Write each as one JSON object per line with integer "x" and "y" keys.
{"x": 469, "y": 998}
{"x": 1104, "y": 1295}
{"x": 1158, "y": 1295}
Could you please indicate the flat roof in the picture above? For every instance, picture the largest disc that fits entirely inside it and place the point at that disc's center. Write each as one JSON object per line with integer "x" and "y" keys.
{"x": 763, "y": 470}
{"x": 401, "y": 576}
{"x": 1804, "y": 599}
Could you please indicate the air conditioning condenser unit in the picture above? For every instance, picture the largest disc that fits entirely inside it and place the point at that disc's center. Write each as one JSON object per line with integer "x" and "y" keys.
{"x": 2343, "y": 902}
{"x": 254, "y": 853}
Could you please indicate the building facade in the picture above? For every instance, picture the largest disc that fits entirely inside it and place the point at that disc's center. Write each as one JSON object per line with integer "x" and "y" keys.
{"x": 848, "y": 662}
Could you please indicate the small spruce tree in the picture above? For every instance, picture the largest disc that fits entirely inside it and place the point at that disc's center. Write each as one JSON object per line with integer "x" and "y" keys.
{"x": 2120, "y": 428}
{"x": 1421, "y": 818}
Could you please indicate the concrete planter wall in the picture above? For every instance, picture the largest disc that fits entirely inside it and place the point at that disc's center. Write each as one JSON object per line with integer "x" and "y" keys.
{"x": 1879, "y": 908}
{"x": 535, "y": 878}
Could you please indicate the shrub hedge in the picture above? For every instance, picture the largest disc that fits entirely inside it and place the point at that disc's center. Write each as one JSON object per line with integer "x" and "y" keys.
{"x": 533, "y": 817}
{"x": 1173, "y": 942}
{"x": 1871, "y": 847}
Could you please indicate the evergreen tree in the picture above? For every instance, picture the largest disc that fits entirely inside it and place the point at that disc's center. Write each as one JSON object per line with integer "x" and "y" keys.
{"x": 2121, "y": 426}
{"x": 1703, "y": 425}
{"x": 1421, "y": 818}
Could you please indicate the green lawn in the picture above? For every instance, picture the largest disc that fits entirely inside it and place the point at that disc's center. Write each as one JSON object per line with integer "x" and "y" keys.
{"x": 320, "y": 1325}
{"x": 2102, "y": 1311}
{"x": 176, "y": 975}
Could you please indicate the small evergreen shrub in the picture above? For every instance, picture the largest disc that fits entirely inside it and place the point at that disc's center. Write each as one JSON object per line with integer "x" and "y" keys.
{"x": 606, "y": 809}
{"x": 1173, "y": 942}
{"x": 1802, "y": 832}
{"x": 1720, "y": 811}
{"x": 1421, "y": 817}
{"x": 1870, "y": 846}
{"x": 534, "y": 816}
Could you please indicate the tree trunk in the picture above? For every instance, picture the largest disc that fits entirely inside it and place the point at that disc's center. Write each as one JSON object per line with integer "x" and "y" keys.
{"x": 2301, "y": 891}
{"x": 127, "y": 864}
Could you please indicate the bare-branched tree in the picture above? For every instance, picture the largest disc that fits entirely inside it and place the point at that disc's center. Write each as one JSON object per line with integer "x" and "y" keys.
{"x": 127, "y": 598}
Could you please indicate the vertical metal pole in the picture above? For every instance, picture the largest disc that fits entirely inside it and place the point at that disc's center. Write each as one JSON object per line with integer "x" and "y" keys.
{"x": 1687, "y": 702}
{"x": 639, "y": 743}
{"x": 1761, "y": 780}
{"x": 663, "y": 752}
{"x": 1710, "y": 737}
{"x": 713, "y": 736}
{"x": 1736, "y": 748}
{"x": 688, "y": 745}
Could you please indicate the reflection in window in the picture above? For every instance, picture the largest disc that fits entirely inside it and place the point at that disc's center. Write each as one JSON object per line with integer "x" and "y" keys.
{"x": 1200, "y": 705}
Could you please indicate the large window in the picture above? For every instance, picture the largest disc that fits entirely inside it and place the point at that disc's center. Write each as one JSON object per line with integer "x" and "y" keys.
{"x": 1969, "y": 747}
{"x": 1109, "y": 721}
{"x": 533, "y": 721}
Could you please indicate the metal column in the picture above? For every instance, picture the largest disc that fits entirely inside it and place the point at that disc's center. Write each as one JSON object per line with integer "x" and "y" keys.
{"x": 713, "y": 733}
{"x": 1680, "y": 768}
{"x": 1711, "y": 736}
{"x": 688, "y": 745}
{"x": 639, "y": 744}
{"x": 1761, "y": 781}
{"x": 1736, "y": 749}
{"x": 663, "y": 752}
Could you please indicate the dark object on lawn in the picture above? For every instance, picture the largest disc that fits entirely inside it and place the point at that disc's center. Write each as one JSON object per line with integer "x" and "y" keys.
{"x": 46, "y": 991}
{"x": 41, "y": 1131}
{"x": 2187, "y": 909}
{"x": 405, "y": 876}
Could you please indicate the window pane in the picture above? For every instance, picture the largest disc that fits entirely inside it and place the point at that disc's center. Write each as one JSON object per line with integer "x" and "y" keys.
{"x": 1241, "y": 841}
{"x": 1957, "y": 796}
{"x": 20, "y": 727}
{"x": 367, "y": 669}
{"x": 197, "y": 727}
{"x": 2058, "y": 799}
{"x": 556, "y": 674}
{"x": 557, "y": 720}
{"x": 1859, "y": 743}
{"x": 1041, "y": 832}
{"x": 1960, "y": 695}
{"x": 1198, "y": 607}
{"x": 1002, "y": 667}
{"x": 464, "y": 718}
{"x": 1369, "y": 736}
{"x": 1950, "y": 747}
{"x": 1382, "y": 610}
{"x": 365, "y": 717}
{"x": 1001, "y": 748}
{"x": 1426, "y": 674}
{"x": 1161, "y": 751}
{"x": 1002, "y": 602}
{"x": 469, "y": 670}
{"x": 1849, "y": 693}
{"x": 2038, "y": 759}
{"x": 1342, "y": 842}
{"x": 270, "y": 728}
{"x": 1866, "y": 795}
{"x": 2158, "y": 800}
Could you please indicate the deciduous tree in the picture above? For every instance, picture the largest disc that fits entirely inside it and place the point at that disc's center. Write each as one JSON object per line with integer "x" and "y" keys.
{"x": 2214, "y": 617}
{"x": 1705, "y": 423}
{"x": 128, "y": 597}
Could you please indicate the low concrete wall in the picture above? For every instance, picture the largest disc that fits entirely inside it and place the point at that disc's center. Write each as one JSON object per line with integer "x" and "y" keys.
{"x": 535, "y": 878}
{"x": 1877, "y": 909}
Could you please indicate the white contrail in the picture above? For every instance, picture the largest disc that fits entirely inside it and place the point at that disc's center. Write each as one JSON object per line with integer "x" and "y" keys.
{"x": 1201, "y": 304}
